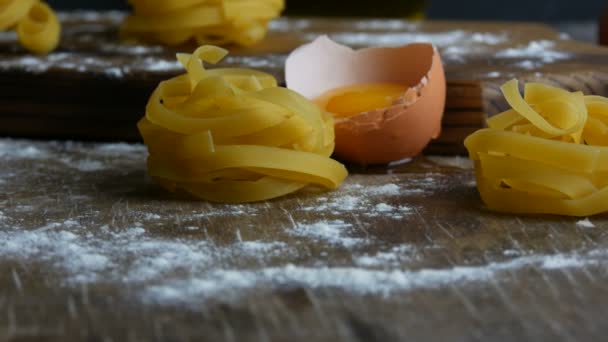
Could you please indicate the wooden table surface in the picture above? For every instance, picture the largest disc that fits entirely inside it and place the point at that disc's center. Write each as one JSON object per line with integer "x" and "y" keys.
{"x": 92, "y": 250}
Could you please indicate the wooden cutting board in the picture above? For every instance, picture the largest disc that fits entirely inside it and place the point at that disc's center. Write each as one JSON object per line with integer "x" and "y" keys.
{"x": 95, "y": 86}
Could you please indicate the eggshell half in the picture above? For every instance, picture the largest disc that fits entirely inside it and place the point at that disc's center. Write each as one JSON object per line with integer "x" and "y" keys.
{"x": 381, "y": 135}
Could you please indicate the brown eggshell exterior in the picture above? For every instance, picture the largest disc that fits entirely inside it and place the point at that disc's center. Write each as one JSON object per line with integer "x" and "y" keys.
{"x": 398, "y": 132}
{"x": 383, "y": 135}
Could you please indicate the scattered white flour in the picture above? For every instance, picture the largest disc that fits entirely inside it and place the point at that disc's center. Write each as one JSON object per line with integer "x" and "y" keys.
{"x": 540, "y": 49}
{"x": 9, "y": 150}
{"x": 24, "y": 208}
{"x": 181, "y": 260}
{"x": 115, "y": 17}
{"x": 399, "y": 162}
{"x": 129, "y": 255}
{"x": 585, "y": 223}
{"x": 386, "y": 190}
{"x": 128, "y": 49}
{"x": 332, "y": 232}
{"x": 291, "y": 25}
{"x": 63, "y": 249}
{"x": 351, "y": 279}
{"x": 561, "y": 261}
{"x": 392, "y": 258}
{"x": 364, "y": 200}
{"x": 84, "y": 165}
{"x": 151, "y": 216}
{"x": 511, "y": 252}
{"x": 61, "y": 61}
{"x": 275, "y": 248}
{"x": 528, "y": 65}
{"x": 266, "y": 61}
{"x": 493, "y": 74}
{"x": 91, "y": 64}
{"x": 490, "y": 38}
{"x": 384, "y": 24}
{"x": 112, "y": 71}
{"x": 459, "y": 162}
{"x": 135, "y": 257}
{"x": 158, "y": 64}
{"x": 232, "y": 210}
{"x": 119, "y": 149}
{"x": 440, "y": 39}
{"x": 456, "y": 53}
{"x": 383, "y": 207}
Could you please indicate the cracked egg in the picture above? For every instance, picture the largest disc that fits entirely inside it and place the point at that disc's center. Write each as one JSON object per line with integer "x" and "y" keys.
{"x": 387, "y": 101}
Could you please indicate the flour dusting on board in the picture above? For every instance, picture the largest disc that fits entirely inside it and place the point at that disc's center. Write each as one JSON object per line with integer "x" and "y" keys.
{"x": 194, "y": 251}
{"x": 440, "y": 39}
{"x": 91, "y": 45}
{"x": 333, "y": 232}
{"x": 457, "y": 161}
{"x": 391, "y": 258}
{"x": 353, "y": 279}
{"x": 354, "y": 197}
{"x": 585, "y": 223}
{"x": 543, "y": 49}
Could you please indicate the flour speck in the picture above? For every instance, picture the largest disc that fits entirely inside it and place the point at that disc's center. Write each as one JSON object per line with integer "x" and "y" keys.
{"x": 541, "y": 49}
{"x": 585, "y": 223}
{"x": 332, "y": 232}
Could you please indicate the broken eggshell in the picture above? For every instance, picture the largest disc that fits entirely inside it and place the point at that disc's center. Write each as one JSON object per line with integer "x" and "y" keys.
{"x": 381, "y": 135}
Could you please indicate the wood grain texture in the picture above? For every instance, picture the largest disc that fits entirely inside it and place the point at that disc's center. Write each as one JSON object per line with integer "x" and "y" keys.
{"x": 471, "y": 274}
{"x": 95, "y": 76}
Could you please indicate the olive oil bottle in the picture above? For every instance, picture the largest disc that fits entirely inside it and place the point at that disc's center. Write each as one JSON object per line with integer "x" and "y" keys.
{"x": 412, "y": 9}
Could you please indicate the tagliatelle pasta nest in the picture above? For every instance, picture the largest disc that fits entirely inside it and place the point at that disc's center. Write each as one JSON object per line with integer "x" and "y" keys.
{"x": 218, "y": 22}
{"x": 548, "y": 154}
{"x": 232, "y": 135}
{"x": 37, "y": 26}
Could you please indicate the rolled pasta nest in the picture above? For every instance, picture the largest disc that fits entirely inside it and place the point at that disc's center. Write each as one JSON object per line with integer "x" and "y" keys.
{"x": 37, "y": 26}
{"x": 547, "y": 154}
{"x": 218, "y": 22}
{"x": 233, "y": 135}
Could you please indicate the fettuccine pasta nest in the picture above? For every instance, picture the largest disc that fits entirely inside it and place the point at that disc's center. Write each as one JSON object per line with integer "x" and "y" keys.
{"x": 37, "y": 26}
{"x": 218, "y": 22}
{"x": 233, "y": 135}
{"x": 547, "y": 154}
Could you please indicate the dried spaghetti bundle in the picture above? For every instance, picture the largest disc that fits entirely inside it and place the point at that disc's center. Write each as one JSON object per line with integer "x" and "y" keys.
{"x": 232, "y": 135}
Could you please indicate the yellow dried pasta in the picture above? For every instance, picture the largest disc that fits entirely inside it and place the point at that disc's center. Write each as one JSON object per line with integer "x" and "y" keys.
{"x": 218, "y": 22}
{"x": 37, "y": 26}
{"x": 233, "y": 135}
{"x": 547, "y": 154}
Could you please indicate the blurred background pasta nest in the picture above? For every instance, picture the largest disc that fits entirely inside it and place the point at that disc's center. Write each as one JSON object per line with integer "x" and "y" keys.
{"x": 218, "y": 22}
{"x": 37, "y": 26}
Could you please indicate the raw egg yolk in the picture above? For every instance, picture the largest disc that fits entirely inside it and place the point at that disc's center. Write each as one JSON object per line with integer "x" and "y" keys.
{"x": 360, "y": 98}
